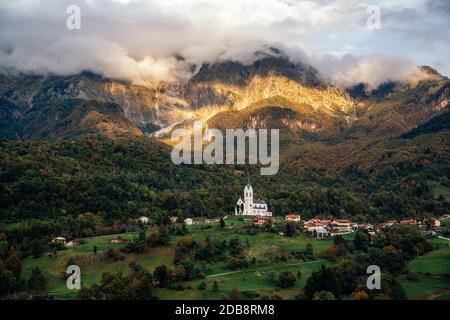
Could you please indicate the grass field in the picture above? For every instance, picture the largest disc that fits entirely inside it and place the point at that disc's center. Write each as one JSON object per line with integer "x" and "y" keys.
{"x": 253, "y": 280}
{"x": 432, "y": 274}
{"x": 91, "y": 270}
{"x": 261, "y": 245}
{"x": 439, "y": 189}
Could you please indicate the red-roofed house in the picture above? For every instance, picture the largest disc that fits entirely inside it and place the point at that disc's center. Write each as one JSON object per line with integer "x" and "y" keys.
{"x": 340, "y": 227}
{"x": 412, "y": 221}
{"x": 261, "y": 221}
{"x": 293, "y": 217}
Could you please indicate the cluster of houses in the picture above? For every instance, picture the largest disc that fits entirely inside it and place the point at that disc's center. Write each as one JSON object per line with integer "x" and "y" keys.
{"x": 323, "y": 228}
{"x": 63, "y": 241}
{"x": 190, "y": 221}
{"x": 320, "y": 228}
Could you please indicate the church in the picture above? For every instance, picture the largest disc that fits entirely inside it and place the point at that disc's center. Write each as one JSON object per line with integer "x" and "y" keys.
{"x": 250, "y": 207}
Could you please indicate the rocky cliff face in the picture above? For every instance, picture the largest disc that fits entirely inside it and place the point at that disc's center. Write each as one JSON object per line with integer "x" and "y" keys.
{"x": 224, "y": 93}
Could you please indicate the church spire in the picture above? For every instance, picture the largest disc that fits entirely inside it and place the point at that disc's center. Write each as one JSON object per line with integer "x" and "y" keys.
{"x": 248, "y": 177}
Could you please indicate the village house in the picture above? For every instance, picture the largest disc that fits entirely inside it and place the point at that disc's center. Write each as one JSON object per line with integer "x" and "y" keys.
{"x": 212, "y": 220}
{"x": 144, "y": 220}
{"x": 320, "y": 232}
{"x": 391, "y": 223}
{"x": 59, "y": 240}
{"x": 188, "y": 221}
{"x": 293, "y": 217}
{"x": 70, "y": 244}
{"x": 261, "y": 221}
{"x": 380, "y": 226}
{"x": 116, "y": 240}
{"x": 410, "y": 221}
{"x": 340, "y": 227}
{"x": 173, "y": 219}
{"x": 311, "y": 224}
{"x": 366, "y": 227}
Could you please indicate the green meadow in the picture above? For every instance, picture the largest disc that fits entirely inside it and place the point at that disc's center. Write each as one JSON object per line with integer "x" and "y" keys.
{"x": 256, "y": 278}
{"x": 439, "y": 190}
{"x": 248, "y": 282}
{"x": 430, "y": 274}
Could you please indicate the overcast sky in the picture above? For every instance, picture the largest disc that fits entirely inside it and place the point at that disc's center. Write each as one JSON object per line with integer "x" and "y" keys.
{"x": 138, "y": 40}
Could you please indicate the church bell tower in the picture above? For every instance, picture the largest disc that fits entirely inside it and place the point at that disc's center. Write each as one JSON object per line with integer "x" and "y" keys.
{"x": 248, "y": 197}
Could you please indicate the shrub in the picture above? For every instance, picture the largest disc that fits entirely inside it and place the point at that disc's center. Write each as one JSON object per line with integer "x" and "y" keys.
{"x": 114, "y": 254}
{"x": 286, "y": 279}
{"x": 202, "y": 286}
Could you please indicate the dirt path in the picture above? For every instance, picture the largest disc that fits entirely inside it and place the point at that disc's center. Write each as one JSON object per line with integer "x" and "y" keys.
{"x": 264, "y": 268}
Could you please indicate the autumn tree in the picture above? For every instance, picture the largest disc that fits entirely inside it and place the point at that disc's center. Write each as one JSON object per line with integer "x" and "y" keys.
{"x": 37, "y": 283}
{"x": 286, "y": 279}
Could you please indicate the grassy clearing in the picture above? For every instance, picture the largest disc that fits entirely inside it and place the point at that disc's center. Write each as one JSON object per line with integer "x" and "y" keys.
{"x": 432, "y": 273}
{"x": 439, "y": 189}
{"x": 91, "y": 267}
{"x": 434, "y": 262}
{"x": 54, "y": 268}
{"x": 261, "y": 245}
{"x": 253, "y": 280}
{"x": 431, "y": 287}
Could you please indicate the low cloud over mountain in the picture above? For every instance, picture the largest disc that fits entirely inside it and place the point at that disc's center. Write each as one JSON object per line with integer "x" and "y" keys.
{"x": 169, "y": 40}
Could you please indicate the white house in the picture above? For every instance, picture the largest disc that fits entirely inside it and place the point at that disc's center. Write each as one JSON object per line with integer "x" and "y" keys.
{"x": 188, "y": 221}
{"x": 250, "y": 207}
{"x": 340, "y": 227}
{"x": 60, "y": 240}
{"x": 293, "y": 217}
{"x": 144, "y": 220}
{"x": 320, "y": 232}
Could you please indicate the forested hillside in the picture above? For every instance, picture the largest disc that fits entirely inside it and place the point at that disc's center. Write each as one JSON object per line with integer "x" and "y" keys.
{"x": 130, "y": 177}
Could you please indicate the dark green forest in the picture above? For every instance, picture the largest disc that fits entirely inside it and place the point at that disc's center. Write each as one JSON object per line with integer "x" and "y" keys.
{"x": 123, "y": 178}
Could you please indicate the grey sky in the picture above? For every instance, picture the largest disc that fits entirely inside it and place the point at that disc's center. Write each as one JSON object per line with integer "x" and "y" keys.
{"x": 137, "y": 39}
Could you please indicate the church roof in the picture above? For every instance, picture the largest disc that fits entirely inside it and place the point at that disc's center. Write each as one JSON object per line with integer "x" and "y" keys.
{"x": 259, "y": 201}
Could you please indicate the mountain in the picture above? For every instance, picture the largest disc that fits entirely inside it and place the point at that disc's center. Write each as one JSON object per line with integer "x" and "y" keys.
{"x": 50, "y": 107}
{"x": 215, "y": 88}
{"x": 343, "y": 151}
{"x": 436, "y": 124}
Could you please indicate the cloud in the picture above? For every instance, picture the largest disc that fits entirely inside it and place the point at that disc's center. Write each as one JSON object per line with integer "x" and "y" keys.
{"x": 71, "y": 55}
{"x": 371, "y": 69}
{"x": 138, "y": 40}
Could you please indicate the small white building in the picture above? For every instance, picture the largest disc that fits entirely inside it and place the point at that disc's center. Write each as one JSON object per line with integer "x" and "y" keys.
{"x": 293, "y": 217}
{"x": 188, "y": 221}
{"x": 144, "y": 220}
{"x": 70, "y": 244}
{"x": 60, "y": 240}
{"x": 320, "y": 232}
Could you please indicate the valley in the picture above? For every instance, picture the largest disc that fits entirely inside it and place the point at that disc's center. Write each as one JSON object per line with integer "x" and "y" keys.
{"x": 428, "y": 278}
{"x": 83, "y": 157}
